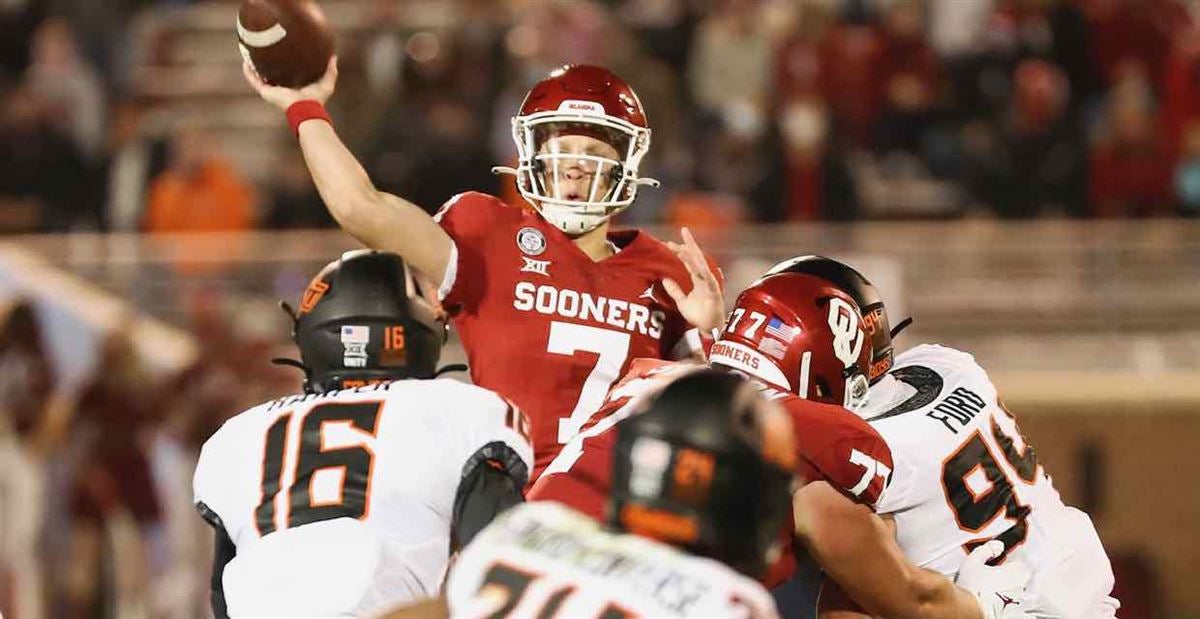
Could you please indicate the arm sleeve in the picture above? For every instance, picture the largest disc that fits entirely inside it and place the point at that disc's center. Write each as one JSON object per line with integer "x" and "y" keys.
{"x": 492, "y": 481}
{"x": 860, "y": 467}
{"x": 468, "y": 218}
{"x": 836, "y": 445}
{"x": 223, "y": 552}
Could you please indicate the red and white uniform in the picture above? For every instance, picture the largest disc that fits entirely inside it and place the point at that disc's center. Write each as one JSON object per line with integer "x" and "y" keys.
{"x": 833, "y": 445}
{"x": 544, "y": 560}
{"x": 545, "y": 325}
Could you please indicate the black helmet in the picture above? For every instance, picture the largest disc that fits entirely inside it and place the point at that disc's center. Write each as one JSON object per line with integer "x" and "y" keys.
{"x": 850, "y": 281}
{"x": 361, "y": 320}
{"x": 706, "y": 467}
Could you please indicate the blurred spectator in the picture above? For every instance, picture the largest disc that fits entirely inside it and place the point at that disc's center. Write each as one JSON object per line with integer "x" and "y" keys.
{"x": 910, "y": 74}
{"x": 798, "y": 64}
{"x": 1181, "y": 87}
{"x": 72, "y": 89}
{"x": 113, "y": 501}
{"x": 25, "y": 387}
{"x": 1132, "y": 31}
{"x": 852, "y": 56}
{"x": 1038, "y": 162}
{"x": 134, "y": 158}
{"x": 811, "y": 179}
{"x": 956, "y": 29}
{"x": 1129, "y": 171}
{"x": 26, "y": 377}
{"x": 199, "y": 191}
{"x": 731, "y": 59}
{"x": 664, "y": 28}
{"x": 18, "y": 21}
{"x": 1187, "y": 172}
{"x": 44, "y": 183}
{"x": 293, "y": 201}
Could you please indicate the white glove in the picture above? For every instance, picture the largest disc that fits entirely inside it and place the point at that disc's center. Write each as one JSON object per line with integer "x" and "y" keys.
{"x": 999, "y": 590}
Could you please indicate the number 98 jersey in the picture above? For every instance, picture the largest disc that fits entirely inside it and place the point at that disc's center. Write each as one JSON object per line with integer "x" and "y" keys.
{"x": 341, "y": 503}
{"x": 542, "y": 559}
{"x": 963, "y": 474}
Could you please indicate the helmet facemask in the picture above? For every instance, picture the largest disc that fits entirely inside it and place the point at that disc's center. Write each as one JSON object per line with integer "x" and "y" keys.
{"x": 576, "y": 184}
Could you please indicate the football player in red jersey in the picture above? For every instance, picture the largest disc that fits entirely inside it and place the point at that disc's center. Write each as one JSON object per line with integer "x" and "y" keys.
{"x": 803, "y": 340}
{"x": 551, "y": 305}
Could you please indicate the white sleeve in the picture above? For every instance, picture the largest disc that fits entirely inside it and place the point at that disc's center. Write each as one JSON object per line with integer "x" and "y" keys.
{"x": 488, "y": 418}
{"x": 203, "y": 490}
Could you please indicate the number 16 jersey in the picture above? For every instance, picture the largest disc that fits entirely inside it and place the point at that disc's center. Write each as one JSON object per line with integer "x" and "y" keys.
{"x": 340, "y": 504}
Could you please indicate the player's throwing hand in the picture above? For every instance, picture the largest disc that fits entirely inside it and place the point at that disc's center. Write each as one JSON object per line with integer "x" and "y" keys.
{"x": 704, "y": 306}
{"x": 283, "y": 98}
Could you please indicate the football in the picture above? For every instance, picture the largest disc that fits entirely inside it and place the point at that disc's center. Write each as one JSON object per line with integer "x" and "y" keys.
{"x": 287, "y": 41}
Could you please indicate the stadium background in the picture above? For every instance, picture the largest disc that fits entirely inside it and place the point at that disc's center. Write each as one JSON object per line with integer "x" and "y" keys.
{"x": 1021, "y": 176}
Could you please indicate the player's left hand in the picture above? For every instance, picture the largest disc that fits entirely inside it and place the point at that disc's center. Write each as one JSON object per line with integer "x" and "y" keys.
{"x": 999, "y": 589}
{"x": 704, "y": 306}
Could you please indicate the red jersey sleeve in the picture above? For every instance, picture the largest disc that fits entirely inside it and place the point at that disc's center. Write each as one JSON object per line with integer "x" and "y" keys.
{"x": 584, "y": 487}
{"x": 469, "y": 218}
{"x": 836, "y": 445}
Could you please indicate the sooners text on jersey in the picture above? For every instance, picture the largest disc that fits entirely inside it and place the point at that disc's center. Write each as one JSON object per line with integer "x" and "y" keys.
{"x": 546, "y": 325}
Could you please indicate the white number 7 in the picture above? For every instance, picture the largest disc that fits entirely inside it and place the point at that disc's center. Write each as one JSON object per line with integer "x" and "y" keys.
{"x": 613, "y": 346}
{"x": 756, "y": 319}
{"x": 873, "y": 467}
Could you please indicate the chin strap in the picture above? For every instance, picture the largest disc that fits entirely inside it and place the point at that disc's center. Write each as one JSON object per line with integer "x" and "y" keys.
{"x": 453, "y": 367}
{"x": 900, "y": 327}
{"x": 299, "y": 366}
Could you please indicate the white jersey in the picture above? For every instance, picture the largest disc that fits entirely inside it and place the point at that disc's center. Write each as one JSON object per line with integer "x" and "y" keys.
{"x": 963, "y": 473}
{"x": 542, "y": 559}
{"x": 340, "y": 504}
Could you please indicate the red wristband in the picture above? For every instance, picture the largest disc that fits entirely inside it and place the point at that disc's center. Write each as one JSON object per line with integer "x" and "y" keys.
{"x": 308, "y": 109}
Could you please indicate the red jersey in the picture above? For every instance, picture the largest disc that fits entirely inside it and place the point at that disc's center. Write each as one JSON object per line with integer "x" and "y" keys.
{"x": 545, "y": 325}
{"x": 832, "y": 444}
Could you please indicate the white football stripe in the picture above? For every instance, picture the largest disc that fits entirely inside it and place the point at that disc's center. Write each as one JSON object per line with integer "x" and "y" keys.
{"x": 261, "y": 38}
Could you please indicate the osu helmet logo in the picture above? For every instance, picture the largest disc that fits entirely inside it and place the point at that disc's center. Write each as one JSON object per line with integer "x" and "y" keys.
{"x": 312, "y": 295}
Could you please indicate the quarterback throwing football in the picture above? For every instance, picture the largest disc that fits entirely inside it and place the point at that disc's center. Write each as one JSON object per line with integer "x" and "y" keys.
{"x": 551, "y": 305}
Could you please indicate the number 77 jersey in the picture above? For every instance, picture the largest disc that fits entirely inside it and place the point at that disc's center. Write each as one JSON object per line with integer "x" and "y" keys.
{"x": 963, "y": 474}
{"x": 547, "y": 326}
{"x": 342, "y": 503}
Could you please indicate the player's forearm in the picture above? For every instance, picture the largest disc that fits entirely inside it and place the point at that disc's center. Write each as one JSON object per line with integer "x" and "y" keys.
{"x": 939, "y": 597}
{"x": 858, "y": 550}
{"x": 377, "y": 219}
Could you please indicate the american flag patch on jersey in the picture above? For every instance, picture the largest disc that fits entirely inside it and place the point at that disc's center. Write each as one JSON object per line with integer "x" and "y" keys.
{"x": 773, "y": 348}
{"x": 776, "y": 328}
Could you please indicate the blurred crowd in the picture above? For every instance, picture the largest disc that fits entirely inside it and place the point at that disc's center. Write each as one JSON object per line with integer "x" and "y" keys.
{"x": 762, "y": 110}
{"x": 96, "y": 515}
